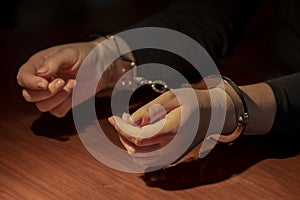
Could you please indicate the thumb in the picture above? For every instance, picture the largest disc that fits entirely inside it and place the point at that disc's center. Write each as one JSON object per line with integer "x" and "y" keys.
{"x": 65, "y": 58}
{"x": 28, "y": 79}
{"x": 155, "y": 110}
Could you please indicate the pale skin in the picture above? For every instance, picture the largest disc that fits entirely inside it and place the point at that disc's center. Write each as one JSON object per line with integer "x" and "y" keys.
{"x": 36, "y": 76}
{"x": 48, "y": 78}
{"x": 259, "y": 98}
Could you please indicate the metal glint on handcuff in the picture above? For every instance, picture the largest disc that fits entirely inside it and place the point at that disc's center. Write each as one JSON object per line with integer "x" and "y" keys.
{"x": 157, "y": 85}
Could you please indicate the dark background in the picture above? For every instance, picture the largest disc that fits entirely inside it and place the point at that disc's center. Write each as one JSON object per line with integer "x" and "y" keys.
{"x": 50, "y": 16}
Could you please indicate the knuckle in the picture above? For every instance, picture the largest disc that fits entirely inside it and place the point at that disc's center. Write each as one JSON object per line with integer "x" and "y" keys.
{"x": 69, "y": 51}
{"x": 49, "y": 62}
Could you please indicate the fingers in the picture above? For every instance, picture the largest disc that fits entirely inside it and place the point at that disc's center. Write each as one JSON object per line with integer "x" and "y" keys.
{"x": 124, "y": 128}
{"x": 44, "y": 65}
{"x": 60, "y": 103}
{"x": 35, "y": 95}
{"x": 57, "y": 99}
{"x": 149, "y": 137}
{"x": 26, "y": 78}
{"x": 130, "y": 136}
{"x": 64, "y": 58}
{"x": 155, "y": 109}
{"x": 132, "y": 148}
{"x": 62, "y": 109}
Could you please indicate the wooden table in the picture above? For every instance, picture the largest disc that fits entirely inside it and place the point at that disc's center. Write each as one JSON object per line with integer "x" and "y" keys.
{"x": 43, "y": 158}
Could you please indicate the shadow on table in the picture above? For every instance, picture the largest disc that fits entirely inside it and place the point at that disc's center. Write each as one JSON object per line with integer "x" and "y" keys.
{"x": 221, "y": 163}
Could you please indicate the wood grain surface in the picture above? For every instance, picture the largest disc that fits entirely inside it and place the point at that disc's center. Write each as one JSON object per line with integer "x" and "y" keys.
{"x": 42, "y": 157}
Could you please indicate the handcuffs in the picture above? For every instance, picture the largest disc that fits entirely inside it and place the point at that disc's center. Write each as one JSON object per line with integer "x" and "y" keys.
{"x": 160, "y": 87}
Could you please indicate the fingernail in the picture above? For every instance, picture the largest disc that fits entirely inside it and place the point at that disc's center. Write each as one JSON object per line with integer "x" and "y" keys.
{"x": 43, "y": 70}
{"x": 41, "y": 85}
{"x": 69, "y": 86}
{"x": 59, "y": 84}
{"x": 110, "y": 120}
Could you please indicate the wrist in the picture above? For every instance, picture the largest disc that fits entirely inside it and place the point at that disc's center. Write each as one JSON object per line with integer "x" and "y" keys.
{"x": 209, "y": 99}
{"x": 97, "y": 41}
{"x": 220, "y": 102}
{"x": 230, "y": 117}
{"x": 122, "y": 70}
{"x": 217, "y": 95}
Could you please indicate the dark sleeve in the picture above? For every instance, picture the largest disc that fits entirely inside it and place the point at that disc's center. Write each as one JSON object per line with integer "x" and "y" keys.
{"x": 287, "y": 93}
{"x": 215, "y": 24}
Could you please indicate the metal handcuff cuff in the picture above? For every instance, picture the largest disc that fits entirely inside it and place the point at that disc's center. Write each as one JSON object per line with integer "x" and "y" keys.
{"x": 242, "y": 114}
{"x": 159, "y": 86}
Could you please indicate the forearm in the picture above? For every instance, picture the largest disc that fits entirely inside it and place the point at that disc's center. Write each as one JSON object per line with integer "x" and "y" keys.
{"x": 261, "y": 104}
{"x": 123, "y": 62}
{"x": 259, "y": 99}
{"x": 274, "y": 106}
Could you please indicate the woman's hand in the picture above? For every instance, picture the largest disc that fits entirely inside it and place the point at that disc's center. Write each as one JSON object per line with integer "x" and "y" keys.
{"x": 154, "y": 125}
{"x": 48, "y": 77}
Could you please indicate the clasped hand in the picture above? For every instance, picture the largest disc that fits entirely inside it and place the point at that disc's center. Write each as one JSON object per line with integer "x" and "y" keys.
{"x": 48, "y": 77}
